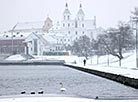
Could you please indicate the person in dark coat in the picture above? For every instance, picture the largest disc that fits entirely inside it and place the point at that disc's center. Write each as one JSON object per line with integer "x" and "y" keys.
{"x": 84, "y": 61}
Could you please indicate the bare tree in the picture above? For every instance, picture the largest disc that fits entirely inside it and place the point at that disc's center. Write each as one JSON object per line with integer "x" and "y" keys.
{"x": 82, "y": 46}
{"x": 115, "y": 41}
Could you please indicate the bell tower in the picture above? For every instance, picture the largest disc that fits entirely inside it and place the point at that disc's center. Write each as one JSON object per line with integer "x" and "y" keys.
{"x": 66, "y": 13}
{"x": 80, "y": 14}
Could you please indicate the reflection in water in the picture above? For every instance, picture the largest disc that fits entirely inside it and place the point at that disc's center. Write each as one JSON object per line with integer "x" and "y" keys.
{"x": 17, "y": 79}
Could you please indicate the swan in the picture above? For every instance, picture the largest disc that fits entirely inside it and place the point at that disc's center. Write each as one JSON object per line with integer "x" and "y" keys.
{"x": 62, "y": 89}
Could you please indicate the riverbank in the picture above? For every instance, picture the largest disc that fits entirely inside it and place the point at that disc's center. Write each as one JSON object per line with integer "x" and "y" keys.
{"x": 53, "y": 62}
{"x": 115, "y": 74}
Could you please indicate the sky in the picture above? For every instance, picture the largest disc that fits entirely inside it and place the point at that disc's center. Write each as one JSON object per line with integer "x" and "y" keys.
{"x": 108, "y": 12}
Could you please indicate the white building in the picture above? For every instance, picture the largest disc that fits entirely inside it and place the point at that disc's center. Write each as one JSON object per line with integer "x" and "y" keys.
{"x": 72, "y": 29}
{"x": 39, "y": 43}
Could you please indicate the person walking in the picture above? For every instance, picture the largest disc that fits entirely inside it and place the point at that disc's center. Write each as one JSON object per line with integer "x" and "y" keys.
{"x": 84, "y": 61}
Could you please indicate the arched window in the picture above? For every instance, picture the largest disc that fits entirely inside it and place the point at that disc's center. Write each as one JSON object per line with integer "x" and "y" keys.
{"x": 68, "y": 17}
{"x": 76, "y": 32}
{"x": 63, "y": 25}
{"x": 76, "y": 24}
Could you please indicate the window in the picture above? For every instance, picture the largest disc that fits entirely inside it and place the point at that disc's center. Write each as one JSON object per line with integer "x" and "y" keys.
{"x": 76, "y": 25}
{"x": 83, "y": 32}
{"x": 21, "y": 35}
{"x": 76, "y": 32}
{"x": 68, "y": 32}
{"x": 6, "y": 36}
{"x": 17, "y": 32}
{"x": 63, "y": 25}
{"x": 68, "y": 17}
{"x": 82, "y": 25}
{"x": 13, "y": 35}
{"x": 68, "y": 25}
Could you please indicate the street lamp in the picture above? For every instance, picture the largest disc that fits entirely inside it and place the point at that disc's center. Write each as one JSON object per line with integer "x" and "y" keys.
{"x": 135, "y": 19}
{"x": 12, "y": 35}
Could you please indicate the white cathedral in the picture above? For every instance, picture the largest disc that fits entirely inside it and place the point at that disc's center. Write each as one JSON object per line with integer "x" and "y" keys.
{"x": 70, "y": 29}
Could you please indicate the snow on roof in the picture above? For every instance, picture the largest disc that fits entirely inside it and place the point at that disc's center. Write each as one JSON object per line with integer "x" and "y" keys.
{"x": 49, "y": 38}
{"x": 29, "y": 25}
{"x": 45, "y": 38}
{"x": 56, "y": 27}
{"x": 80, "y": 12}
{"x": 16, "y": 35}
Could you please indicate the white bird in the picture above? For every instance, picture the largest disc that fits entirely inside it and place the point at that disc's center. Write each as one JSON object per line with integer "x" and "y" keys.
{"x": 62, "y": 89}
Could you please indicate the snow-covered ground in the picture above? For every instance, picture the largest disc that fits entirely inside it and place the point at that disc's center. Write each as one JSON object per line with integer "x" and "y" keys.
{"x": 16, "y": 57}
{"x": 128, "y": 67}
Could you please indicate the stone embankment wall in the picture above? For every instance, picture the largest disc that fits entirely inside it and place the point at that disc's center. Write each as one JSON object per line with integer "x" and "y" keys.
{"x": 118, "y": 78}
{"x": 53, "y": 62}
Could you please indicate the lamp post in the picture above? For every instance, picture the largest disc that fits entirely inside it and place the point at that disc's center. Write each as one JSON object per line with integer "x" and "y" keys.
{"x": 12, "y": 35}
{"x": 136, "y": 44}
{"x": 135, "y": 20}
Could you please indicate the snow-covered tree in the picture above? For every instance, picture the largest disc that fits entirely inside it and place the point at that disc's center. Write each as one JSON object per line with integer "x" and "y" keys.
{"x": 82, "y": 46}
{"x": 115, "y": 41}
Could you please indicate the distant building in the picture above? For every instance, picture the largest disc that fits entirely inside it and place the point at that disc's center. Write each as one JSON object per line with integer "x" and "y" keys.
{"x": 38, "y": 38}
{"x": 78, "y": 26}
{"x": 40, "y": 26}
{"x": 13, "y": 41}
{"x": 10, "y": 45}
{"x": 39, "y": 44}
{"x": 72, "y": 29}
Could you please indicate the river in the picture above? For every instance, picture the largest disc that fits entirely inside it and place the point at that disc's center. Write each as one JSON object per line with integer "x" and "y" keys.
{"x": 15, "y": 79}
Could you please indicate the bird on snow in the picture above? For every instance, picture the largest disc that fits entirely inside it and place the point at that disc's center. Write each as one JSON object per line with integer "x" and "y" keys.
{"x": 62, "y": 89}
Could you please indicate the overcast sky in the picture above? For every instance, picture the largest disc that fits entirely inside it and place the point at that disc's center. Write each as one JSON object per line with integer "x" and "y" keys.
{"x": 108, "y": 12}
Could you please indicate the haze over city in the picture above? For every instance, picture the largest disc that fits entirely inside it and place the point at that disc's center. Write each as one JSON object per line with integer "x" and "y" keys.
{"x": 107, "y": 12}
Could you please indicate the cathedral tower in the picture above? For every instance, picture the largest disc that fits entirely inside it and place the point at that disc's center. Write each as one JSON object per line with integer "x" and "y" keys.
{"x": 80, "y": 14}
{"x": 66, "y": 13}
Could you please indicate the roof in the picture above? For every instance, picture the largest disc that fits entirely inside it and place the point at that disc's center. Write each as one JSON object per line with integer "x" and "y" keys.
{"x": 29, "y": 25}
{"x": 66, "y": 11}
{"x": 43, "y": 37}
{"x": 16, "y": 35}
{"x": 80, "y": 12}
{"x": 48, "y": 19}
{"x": 56, "y": 27}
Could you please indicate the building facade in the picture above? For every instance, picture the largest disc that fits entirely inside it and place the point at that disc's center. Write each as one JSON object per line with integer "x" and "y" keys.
{"x": 72, "y": 29}
{"x": 13, "y": 40}
{"x": 39, "y": 44}
{"x": 12, "y": 45}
